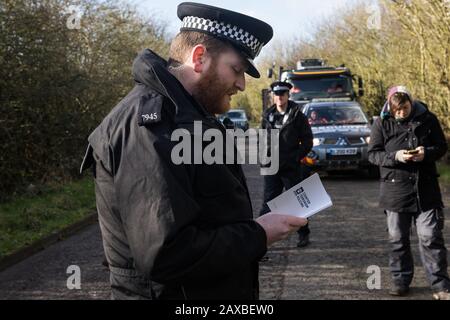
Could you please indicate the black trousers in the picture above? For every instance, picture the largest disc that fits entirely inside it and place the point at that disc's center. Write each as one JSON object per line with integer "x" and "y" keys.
{"x": 275, "y": 185}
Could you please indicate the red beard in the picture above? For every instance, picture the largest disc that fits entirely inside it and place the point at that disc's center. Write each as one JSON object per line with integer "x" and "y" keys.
{"x": 211, "y": 93}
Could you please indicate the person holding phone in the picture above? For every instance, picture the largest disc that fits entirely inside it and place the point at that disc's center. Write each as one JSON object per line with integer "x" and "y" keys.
{"x": 406, "y": 141}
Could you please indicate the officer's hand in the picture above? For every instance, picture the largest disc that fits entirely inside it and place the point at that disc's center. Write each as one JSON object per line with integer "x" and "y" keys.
{"x": 403, "y": 157}
{"x": 278, "y": 226}
{"x": 420, "y": 156}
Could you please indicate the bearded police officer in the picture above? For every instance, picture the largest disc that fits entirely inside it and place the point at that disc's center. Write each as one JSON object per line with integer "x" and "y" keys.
{"x": 295, "y": 142}
{"x": 171, "y": 230}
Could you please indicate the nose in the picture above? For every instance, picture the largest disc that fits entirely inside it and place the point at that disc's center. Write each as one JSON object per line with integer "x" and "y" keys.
{"x": 240, "y": 82}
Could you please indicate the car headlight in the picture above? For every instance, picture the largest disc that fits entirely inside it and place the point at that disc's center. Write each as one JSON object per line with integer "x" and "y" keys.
{"x": 317, "y": 141}
{"x": 367, "y": 140}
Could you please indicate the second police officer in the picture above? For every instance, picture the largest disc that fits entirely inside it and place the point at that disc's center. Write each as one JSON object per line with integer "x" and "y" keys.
{"x": 295, "y": 142}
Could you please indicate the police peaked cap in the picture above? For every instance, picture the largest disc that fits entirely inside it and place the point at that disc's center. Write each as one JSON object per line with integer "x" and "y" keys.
{"x": 280, "y": 86}
{"x": 247, "y": 34}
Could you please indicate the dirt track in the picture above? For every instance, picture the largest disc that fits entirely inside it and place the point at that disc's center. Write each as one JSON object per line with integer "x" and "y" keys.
{"x": 346, "y": 239}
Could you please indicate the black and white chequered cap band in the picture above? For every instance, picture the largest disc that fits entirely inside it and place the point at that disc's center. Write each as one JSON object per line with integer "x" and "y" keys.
{"x": 280, "y": 88}
{"x": 227, "y": 30}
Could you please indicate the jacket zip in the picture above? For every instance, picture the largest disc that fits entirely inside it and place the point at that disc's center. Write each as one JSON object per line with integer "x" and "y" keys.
{"x": 184, "y": 293}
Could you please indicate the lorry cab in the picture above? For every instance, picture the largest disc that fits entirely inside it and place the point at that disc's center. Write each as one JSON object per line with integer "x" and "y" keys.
{"x": 313, "y": 79}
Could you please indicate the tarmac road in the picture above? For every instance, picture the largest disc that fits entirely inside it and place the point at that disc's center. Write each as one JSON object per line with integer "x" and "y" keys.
{"x": 346, "y": 239}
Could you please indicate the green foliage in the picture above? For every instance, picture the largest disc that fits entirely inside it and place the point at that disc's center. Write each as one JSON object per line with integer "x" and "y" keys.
{"x": 38, "y": 214}
{"x": 410, "y": 46}
{"x": 56, "y": 83}
{"x": 251, "y": 99}
{"x": 444, "y": 172}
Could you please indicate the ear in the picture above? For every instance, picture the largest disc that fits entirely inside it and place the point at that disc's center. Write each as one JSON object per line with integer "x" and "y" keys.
{"x": 198, "y": 58}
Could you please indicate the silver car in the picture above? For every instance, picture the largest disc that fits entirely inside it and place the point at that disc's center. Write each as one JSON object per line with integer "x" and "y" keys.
{"x": 238, "y": 117}
{"x": 341, "y": 133}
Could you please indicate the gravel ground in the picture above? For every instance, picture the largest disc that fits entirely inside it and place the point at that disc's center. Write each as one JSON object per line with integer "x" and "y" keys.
{"x": 345, "y": 240}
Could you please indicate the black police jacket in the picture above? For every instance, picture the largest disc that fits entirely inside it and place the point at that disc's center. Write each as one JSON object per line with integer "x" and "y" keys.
{"x": 296, "y": 138}
{"x": 170, "y": 231}
{"x": 412, "y": 186}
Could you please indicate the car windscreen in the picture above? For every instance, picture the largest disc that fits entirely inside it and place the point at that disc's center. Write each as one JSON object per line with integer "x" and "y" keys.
{"x": 236, "y": 115}
{"x": 336, "y": 115}
{"x": 321, "y": 87}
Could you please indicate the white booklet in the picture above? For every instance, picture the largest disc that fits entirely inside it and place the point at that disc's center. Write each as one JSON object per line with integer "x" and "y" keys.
{"x": 303, "y": 200}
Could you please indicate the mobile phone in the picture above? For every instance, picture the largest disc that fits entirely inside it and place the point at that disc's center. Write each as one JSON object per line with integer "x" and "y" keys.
{"x": 412, "y": 151}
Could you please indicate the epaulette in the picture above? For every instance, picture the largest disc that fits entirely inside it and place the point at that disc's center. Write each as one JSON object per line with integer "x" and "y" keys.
{"x": 150, "y": 106}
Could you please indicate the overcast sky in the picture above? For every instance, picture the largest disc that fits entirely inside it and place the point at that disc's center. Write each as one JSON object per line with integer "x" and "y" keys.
{"x": 287, "y": 17}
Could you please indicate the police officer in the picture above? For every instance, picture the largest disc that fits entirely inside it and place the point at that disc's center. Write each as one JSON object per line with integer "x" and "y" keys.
{"x": 296, "y": 141}
{"x": 182, "y": 230}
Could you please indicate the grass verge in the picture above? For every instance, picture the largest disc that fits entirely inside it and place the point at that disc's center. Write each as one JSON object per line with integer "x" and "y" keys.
{"x": 255, "y": 124}
{"x": 30, "y": 218}
{"x": 444, "y": 171}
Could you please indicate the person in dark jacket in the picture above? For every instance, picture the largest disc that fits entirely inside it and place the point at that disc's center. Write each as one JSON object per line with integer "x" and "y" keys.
{"x": 182, "y": 230}
{"x": 406, "y": 141}
{"x": 295, "y": 142}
